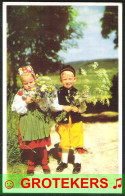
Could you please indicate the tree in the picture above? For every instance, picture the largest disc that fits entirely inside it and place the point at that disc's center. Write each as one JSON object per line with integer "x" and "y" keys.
{"x": 110, "y": 23}
{"x": 35, "y": 34}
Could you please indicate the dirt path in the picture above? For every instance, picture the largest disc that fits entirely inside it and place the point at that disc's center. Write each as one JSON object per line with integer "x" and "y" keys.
{"x": 101, "y": 142}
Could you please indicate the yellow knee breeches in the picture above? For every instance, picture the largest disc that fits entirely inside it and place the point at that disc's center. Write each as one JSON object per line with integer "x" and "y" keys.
{"x": 71, "y": 135}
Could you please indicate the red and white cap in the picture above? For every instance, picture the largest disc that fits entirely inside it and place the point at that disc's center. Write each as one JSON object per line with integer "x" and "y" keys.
{"x": 26, "y": 69}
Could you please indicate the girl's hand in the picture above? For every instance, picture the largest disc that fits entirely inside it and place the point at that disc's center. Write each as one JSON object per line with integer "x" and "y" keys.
{"x": 36, "y": 100}
{"x": 29, "y": 100}
{"x": 75, "y": 109}
{"x": 67, "y": 108}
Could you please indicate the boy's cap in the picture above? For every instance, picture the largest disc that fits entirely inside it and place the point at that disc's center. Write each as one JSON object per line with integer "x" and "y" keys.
{"x": 27, "y": 69}
{"x": 67, "y": 68}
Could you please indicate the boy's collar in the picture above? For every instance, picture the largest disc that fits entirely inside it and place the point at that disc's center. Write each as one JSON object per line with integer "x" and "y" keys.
{"x": 68, "y": 88}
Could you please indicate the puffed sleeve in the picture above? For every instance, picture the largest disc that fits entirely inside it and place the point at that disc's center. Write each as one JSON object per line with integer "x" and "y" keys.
{"x": 55, "y": 106}
{"x": 45, "y": 104}
{"x": 19, "y": 105}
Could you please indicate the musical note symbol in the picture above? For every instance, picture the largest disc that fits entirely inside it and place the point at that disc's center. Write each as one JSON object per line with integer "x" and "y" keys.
{"x": 119, "y": 185}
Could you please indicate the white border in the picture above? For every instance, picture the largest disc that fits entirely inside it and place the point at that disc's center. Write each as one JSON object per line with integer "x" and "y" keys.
{"x": 4, "y": 153}
{"x": 120, "y": 85}
{"x": 4, "y": 161}
{"x": 62, "y": 3}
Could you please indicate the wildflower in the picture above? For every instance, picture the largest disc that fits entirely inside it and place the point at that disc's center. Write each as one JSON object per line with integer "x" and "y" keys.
{"x": 43, "y": 88}
{"x": 94, "y": 65}
{"x": 20, "y": 93}
{"x": 83, "y": 72}
{"x": 24, "y": 98}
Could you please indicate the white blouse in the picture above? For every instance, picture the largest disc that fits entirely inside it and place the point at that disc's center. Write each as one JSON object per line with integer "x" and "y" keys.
{"x": 20, "y": 106}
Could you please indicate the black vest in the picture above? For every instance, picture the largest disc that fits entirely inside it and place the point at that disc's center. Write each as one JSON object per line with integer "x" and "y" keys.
{"x": 63, "y": 94}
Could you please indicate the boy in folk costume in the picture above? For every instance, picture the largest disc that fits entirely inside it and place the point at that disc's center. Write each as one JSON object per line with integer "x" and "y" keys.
{"x": 33, "y": 130}
{"x": 70, "y": 130}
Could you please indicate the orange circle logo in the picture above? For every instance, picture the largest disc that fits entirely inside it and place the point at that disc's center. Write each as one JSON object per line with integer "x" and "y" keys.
{"x": 9, "y": 184}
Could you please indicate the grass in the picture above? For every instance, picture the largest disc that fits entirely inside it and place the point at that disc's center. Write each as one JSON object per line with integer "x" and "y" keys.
{"x": 110, "y": 65}
{"x": 17, "y": 168}
{"x": 91, "y": 80}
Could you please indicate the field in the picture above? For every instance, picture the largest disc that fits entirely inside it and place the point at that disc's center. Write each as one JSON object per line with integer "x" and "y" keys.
{"x": 111, "y": 67}
{"x": 100, "y": 131}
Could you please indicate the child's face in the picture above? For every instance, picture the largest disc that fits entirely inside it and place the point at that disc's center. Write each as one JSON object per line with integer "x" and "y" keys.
{"x": 67, "y": 79}
{"x": 28, "y": 82}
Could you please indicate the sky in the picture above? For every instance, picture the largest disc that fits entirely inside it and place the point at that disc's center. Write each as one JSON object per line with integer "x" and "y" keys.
{"x": 92, "y": 46}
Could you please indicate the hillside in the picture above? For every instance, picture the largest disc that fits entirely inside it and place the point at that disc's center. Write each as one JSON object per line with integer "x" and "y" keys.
{"x": 103, "y": 63}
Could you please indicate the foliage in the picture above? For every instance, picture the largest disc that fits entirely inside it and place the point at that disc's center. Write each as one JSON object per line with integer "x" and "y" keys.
{"x": 35, "y": 34}
{"x": 108, "y": 64}
{"x": 100, "y": 90}
{"x": 110, "y": 23}
{"x": 13, "y": 150}
{"x": 114, "y": 91}
{"x": 94, "y": 81}
{"x": 61, "y": 116}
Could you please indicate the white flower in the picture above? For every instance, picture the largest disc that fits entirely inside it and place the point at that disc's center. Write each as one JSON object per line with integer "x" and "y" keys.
{"x": 83, "y": 72}
{"x": 43, "y": 88}
{"x": 94, "y": 65}
{"x": 46, "y": 78}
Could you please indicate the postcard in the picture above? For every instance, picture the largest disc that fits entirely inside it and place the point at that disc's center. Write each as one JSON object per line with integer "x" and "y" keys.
{"x": 62, "y": 97}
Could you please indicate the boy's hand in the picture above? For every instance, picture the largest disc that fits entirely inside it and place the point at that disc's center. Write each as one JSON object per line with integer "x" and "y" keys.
{"x": 67, "y": 108}
{"x": 29, "y": 100}
{"x": 75, "y": 109}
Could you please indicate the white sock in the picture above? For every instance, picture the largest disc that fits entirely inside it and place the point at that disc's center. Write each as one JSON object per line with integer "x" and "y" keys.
{"x": 65, "y": 153}
{"x": 77, "y": 158}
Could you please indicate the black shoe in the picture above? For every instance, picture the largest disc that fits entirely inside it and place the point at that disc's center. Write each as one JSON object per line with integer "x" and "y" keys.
{"x": 77, "y": 168}
{"x": 61, "y": 167}
{"x": 46, "y": 171}
{"x": 30, "y": 172}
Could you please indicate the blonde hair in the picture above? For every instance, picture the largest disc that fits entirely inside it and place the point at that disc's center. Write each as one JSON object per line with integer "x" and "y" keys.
{"x": 66, "y": 72}
{"x": 26, "y": 74}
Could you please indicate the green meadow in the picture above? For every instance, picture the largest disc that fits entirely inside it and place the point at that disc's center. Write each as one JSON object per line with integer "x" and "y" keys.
{"x": 110, "y": 65}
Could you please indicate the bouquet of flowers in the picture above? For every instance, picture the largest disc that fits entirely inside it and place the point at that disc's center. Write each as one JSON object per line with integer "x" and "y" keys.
{"x": 43, "y": 89}
{"x": 78, "y": 100}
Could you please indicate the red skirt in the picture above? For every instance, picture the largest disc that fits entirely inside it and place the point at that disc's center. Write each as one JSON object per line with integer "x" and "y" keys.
{"x": 34, "y": 143}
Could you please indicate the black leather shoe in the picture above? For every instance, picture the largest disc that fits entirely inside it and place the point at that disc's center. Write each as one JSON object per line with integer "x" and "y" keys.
{"x": 77, "y": 168}
{"x": 61, "y": 167}
{"x": 30, "y": 172}
{"x": 46, "y": 171}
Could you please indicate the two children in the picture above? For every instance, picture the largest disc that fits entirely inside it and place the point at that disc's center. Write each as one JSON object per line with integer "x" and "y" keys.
{"x": 33, "y": 130}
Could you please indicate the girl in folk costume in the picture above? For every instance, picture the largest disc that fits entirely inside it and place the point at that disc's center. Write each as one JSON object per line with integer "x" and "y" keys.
{"x": 33, "y": 130}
